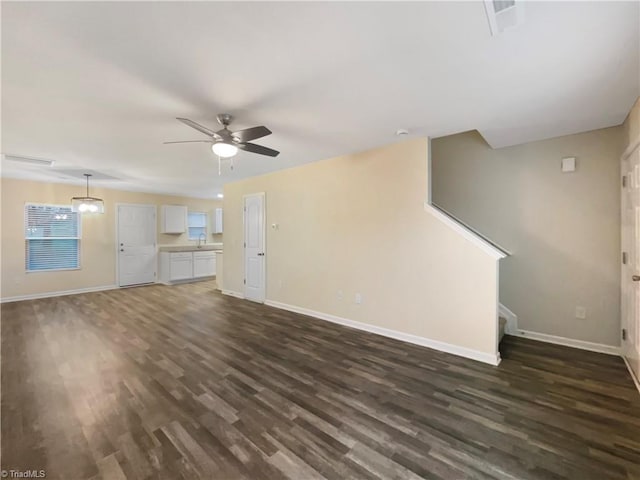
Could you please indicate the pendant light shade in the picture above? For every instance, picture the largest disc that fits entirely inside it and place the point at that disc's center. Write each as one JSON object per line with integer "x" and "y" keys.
{"x": 87, "y": 204}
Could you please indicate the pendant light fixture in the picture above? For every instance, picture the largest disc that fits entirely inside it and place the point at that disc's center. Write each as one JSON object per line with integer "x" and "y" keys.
{"x": 87, "y": 204}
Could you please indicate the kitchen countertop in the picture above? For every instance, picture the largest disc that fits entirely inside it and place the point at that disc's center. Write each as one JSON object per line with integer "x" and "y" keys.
{"x": 190, "y": 248}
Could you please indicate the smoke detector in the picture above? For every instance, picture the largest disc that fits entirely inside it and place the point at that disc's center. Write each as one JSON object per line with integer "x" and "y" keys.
{"x": 402, "y": 132}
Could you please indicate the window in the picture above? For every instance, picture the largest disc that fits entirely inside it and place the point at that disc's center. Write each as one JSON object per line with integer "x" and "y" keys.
{"x": 197, "y": 222}
{"x": 52, "y": 237}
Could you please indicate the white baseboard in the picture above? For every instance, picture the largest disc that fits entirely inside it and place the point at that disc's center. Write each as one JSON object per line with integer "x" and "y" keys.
{"x": 511, "y": 328}
{"x": 186, "y": 280}
{"x": 232, "y": 293}
{"x": 35, "y": 296}
{"x": 568, "y": 342}
{"x": 405, "y": 337}
{"x": 632, "y": 373}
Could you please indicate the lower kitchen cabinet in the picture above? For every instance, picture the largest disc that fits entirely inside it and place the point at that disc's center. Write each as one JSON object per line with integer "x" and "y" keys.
{"x": 204, "y": 264}
{"x": 184, "y": 266}
{"x": 180, "y": 266}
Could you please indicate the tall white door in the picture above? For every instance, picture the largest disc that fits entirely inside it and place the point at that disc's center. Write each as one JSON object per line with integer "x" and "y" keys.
{"x": 136, "y": 244}
{"x": 631, "y": 268}
{"x": 254, "y": 258}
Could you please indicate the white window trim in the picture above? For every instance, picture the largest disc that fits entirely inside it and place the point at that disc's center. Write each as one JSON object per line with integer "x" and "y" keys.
{"x": 79, "y": 238}
{"x": 206, "y": 224}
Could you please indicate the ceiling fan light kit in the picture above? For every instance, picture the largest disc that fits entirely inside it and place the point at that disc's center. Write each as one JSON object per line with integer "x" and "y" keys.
{"x": 87, "y": 204}
{"x": 225, "y": 143}
{"x": 224, "y": 150}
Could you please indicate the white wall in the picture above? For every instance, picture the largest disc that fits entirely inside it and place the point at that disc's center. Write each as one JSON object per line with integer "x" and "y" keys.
{"x": 563, "y": 228}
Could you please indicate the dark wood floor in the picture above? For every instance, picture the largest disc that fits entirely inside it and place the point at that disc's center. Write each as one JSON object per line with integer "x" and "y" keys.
{"x": 181, "y": 382}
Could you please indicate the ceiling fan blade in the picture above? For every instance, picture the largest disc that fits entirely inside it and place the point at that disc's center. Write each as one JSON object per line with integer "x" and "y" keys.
{"x": 253, "y": 148}
{"x": 251, "y": 133}
{"x": 199, "y": 127}
{"x": 189, "y": 141}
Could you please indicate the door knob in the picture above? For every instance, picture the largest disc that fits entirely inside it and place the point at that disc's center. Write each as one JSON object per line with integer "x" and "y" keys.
{"x": 635, "y": 278}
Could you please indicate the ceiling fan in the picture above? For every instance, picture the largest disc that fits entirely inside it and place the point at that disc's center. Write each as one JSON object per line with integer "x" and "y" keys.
{"x": 226, "y": 143}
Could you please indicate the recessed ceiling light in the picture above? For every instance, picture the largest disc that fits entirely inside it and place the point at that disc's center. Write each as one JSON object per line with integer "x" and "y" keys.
{"x": 220, "y": 195}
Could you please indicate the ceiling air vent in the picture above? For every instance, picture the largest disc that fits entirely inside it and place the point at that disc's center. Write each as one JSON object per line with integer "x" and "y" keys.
{"x": 500, "y": 5}
{"x": 503, "y": 14}
{"x": 28, "y": 160}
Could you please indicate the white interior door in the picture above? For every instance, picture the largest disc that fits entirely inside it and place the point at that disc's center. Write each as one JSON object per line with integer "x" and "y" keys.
{"x": 254, "y": 258}
{"x": 136, "y": 244}
{"x": 631, "y": 268}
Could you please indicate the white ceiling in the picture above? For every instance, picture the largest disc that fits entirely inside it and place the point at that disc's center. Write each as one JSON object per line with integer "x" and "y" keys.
{"x": 98, "y": 85}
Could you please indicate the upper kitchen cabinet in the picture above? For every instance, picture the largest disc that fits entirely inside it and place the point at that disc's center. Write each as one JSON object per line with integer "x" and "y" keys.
{"x": 216, "y": 221}
{"x": 174, "y": 219}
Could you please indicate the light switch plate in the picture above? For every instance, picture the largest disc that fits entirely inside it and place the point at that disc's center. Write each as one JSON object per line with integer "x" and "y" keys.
{"x": 568, "y": 164}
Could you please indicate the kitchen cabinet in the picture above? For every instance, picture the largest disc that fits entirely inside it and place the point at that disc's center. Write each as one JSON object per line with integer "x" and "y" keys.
{"x": 180, "y": 266}
{"x": 204, "y": 264}
{"x": 185, "y": 266}
{"x": 173, "y": 219}
{"x": 216, "y": 221}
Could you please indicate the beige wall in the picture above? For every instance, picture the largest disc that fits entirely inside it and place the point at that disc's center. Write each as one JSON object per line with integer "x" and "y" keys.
{"x": 564, "y": 229}
{"x": 357, "y": 224}
{"x": 98, "y": 235}
{"x": 631, "y": 125}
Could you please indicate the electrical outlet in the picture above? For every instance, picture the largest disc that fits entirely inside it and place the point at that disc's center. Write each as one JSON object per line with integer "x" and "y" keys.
{"x": 581, "y": 312}
{"x": 358, "y": 299}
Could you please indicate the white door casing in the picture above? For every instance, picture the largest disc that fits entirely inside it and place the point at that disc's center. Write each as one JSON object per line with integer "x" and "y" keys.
{"x": 631, "y": 269}
{"x": 254, "y": 247}
{"x": 136, "y": 244}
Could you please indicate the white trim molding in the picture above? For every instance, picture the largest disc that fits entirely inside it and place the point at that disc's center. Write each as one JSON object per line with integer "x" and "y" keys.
{"x": 385, "y": 332}
{"x": 631, "y": 147}
{"x": 62, "y": 293}
{"x": 568, "y": 342}
{"x": 464, "y": 232}
{"x": 636, "y": 382}
{"x": 232, "y": 293}
{"x": 511, "y": 328}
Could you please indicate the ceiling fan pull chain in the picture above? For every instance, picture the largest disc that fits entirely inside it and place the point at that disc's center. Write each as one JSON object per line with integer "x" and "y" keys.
{"x": 219, "y": 166}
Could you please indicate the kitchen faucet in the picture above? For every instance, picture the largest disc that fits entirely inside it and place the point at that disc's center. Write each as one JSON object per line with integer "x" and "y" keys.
{"x": 200, "y": 238}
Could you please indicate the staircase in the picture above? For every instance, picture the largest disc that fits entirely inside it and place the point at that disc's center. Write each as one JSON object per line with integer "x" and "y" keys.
{"x": 503, "y": 324}
{"x": 502, "y": 251}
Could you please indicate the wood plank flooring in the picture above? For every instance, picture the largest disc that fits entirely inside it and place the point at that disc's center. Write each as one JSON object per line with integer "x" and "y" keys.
{"x": 183, "y": 383}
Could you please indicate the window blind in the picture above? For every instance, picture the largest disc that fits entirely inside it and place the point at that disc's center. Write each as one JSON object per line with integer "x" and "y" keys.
{"x": 197, "y": 224}
{"x": 52, "y": 238}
